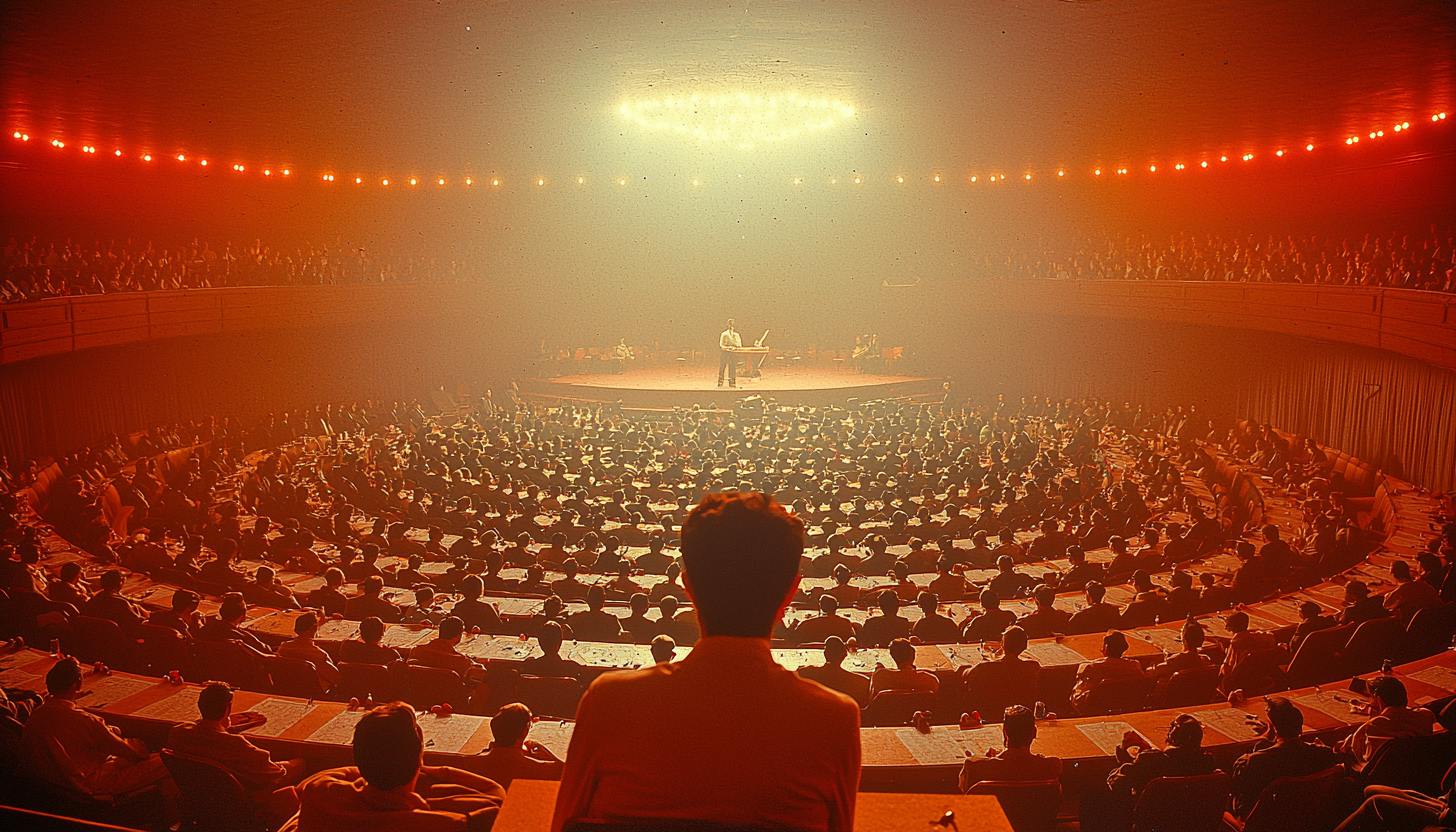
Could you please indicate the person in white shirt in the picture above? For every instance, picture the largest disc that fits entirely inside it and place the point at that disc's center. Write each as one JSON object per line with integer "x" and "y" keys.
{"x": 728, "y": 360}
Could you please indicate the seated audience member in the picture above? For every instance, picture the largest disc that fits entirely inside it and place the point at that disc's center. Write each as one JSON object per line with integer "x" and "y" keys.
{"x": 904, "y": 588}
{"x": 388, "y": 789}
{"x": 1098, "y": 616}
{"x": 681, "y": 625}
{"x": 1148, "y": 606}
{"x": 816, "y": 628}
{"x": 832, "y": 674}
{"x": 220, "y": 570}
{"x": 302, "y": 646}
{"x": 227, "y": 626}
{"x": 1252, "y": 580}
{"x": 880, "y": 630}
{"x": 1242, "y": 641}
{"x": 328, "y": 597}
{"x": 110, "y": 604}
{"x": 425, "y": 610}
{"x": 366, "y": 649}
{"x": 570, "y": 587}
{"x": 1009, "y": 679}
{"x": 737, "y": 739}
{"x": 991, "y": 623}
{"x": 369, "y": 602}
{"x": 846, "y": 593}
{"x": 1124, "y": 562}
{"x": 472, "y": 610}
{"x": 655, "y": 562}
{"x": 1391, "y": 718}
{"x": 595, "y": 623}
{"x": 265, "y": 591}
{"x": 948, "y": 583}
{"x": 441, "y": 651}
{"x": 550, "y": 663}
{"x": 267, "y": 782}
{"x": 1214, "y": 595}
{"x": 672, "y": 586}
{"x": 1411, "y": 594}
{"x": 510, "y": 755}
{"x": 1111, "y": 809}
{"x": 76, "y": 751}
{"x": 1282, "y": 752}
{"x": 183, "y": 616}
{"x": 933, "y": 627}
{"x": 662, "y": 648}
{"x": 1112, "y": 666}
{"x": 1046, "y": 620}
{"x": 1191, "y": 657}
{"x": 1312, "y": 619}
{"x": 1007, "y": 582}
{"x": 1182, "y": 597}
{"x": 69, "y": 587}
{"x": 1081, "y": 571}
{"x": 638, "y": 627}
{"x": 1388, "y": 809}
{"x": 1016, "y": 762}
{"x": 904, "y": 676}
{"x": 1360, "y": 605}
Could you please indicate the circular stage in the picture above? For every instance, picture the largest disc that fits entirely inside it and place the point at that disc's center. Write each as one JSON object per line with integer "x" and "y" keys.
{"x": 668, "y": 387}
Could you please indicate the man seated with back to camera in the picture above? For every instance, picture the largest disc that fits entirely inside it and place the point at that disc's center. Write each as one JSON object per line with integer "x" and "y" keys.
{"x": 511, "y": 756}
{"x": 1283, "y": 752}
{"x": 832, "y": 674}
{"x": 726, "y": 734}
{"x": 1016, "y": 761}
{"x": 389, "y": 789}
{"x": 1110, "y": 809}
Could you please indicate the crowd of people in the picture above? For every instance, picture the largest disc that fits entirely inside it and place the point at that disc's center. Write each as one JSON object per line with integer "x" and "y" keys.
{"x": 32, "y": 270}
{"x": 526, "y": 500}
{"x": 1393, "y": 261}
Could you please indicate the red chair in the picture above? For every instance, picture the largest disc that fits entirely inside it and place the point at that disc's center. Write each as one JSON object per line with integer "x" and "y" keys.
{"x": 1429, "y": 632}
{"x": 162, "y": 649}
{"x": 294, "y": 677}
{"x": 361, "y": 681}
{"x": 1030, "y": 806}
{"x": 1294, "y": 804}
{"x": 550, "y": 696}
{"x": 228, "y": 661}
{"x": 1118, "y": 696}
{"x": 1317, "y": 660}
{"x": 100, "y": 640}
{"x": 1373, "y": 642}
{"x": 424, "y": 687}
{"x": 1182, "y": 804}
{"x": 213, "y": 800}
{"x": 1186, "y": 688}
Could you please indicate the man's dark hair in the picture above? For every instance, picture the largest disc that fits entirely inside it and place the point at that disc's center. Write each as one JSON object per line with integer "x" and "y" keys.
{"x": 902, "y": 652}
{"x": 1019, "y": 724}
{"x": 233, "y": 606}
{"x": 452, "y": 627}
{"x": 1390, "y": 690}
{"x": 1286, "y": 719}
{"x": 63, "y": 675}
{"x": 549, "y": 637}
{"x": 510, "y": 724}
{"x": 213, "y": 700}
{"x": 1014, "y": 641}
{"x": 388, "y": 746}
{"x": 1185, "y": 732}
{"x": 372, "y": 628}
{"x": 305, "y": 624}
{"x": 1114, "y": 644}
{"x": 741, "y": 554}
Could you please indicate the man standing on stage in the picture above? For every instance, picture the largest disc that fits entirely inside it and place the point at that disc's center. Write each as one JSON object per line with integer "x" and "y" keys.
{"x": 726, "y": 359}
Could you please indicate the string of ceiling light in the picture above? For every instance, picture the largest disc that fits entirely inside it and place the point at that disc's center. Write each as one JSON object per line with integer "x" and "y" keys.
{"x": 498, "y": 180}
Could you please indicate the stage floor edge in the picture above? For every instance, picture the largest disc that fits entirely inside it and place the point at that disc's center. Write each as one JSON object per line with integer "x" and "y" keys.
{"x": 667, "y": 388}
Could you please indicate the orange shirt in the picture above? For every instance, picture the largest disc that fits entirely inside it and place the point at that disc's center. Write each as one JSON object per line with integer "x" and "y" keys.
{"x": 726, "y": 735}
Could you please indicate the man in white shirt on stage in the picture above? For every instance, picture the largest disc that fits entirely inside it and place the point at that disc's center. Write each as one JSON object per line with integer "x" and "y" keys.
{"x": 728, "y": 360}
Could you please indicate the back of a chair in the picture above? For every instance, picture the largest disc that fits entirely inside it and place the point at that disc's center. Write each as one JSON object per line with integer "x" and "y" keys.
{"x": 367, "y": 680}
{"x": 550, "y": 696}
{"x": 1414, "y": 763}
{"x": 425, "y": 687}
{"x": 1258, "y": 672}
{"x": 163, "y": 649}
{"x": 1429, "y": 632}
{"x": 99, "y": 640}
{"x": 1198, "y": 686}
{"x": 992, "y": 694}
{"x": 294, "y": 677}
{"x": 214, "y": 799}
{"x": 228, "y": 661}
{"x": 1182, "y": 804}
{"x": 890, "y": 708}
{"x": 1030, "y": 805}
{"x": 1118, "y": 696}
{"x": 1297, "y": 804}
{"x": 1317, "y": 660}
{"x": 1373, "y": 642}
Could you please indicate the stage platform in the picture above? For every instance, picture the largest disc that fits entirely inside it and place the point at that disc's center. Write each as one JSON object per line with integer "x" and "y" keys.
{"x": 669, "y": 387}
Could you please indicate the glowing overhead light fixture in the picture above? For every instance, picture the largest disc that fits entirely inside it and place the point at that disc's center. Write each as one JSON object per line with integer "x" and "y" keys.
{"x": 1309, "y": 147}
{"x": 1061, "y": 173}
{"x": 857, "y": 180}
{"x": 798, "y": 180}
{"x": 384, "y": 182}
{"x": 973, "y": 178}
{"x": 286, "y": 171}
{"x": 900, "y": 179}
{"x": 1203, "y": 164}
{"x": 581, "y": 180}
{"x": 937, "y": 177}
{"x": 540, "y": 181}
{"x": 736, "y": 118}
{"x": 147, "y": 157}
{"x": 494, "y": 182}
{"x": 118, "y": 152}
{"x": 442, "y": 182}
{"x": 1097, "y": 172}
{"x": 1153, "y": 168}
{"x": 414, "y": 181}
{"x": 469, "y": 181}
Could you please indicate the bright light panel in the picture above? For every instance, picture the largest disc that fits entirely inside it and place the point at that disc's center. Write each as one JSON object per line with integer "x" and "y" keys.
{"x": 736, "y": 119}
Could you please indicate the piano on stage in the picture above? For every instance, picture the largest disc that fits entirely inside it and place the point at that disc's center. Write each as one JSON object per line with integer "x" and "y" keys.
{"x": 752, "y": 368}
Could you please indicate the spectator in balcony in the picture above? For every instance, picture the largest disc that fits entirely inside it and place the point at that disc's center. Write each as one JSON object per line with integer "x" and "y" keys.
{"x": 1391, "y": 718}
{"x": 388, "y": 789}
{"x": 1360, "y": 605}
{"x": 220, "y": 571}
{"x": 832, "y": 674}
{"x": 443, "y": 650}
{"x": 1081, "y": 572}
{"x": 828, "y": 622}
{"x": 110, "y": 604}
{"x": 550, "y": 663}
{"x": 948, "y": 583}
{"x": 1111, "y": 810}
{"x": 227, "y": 626}
{"x": 1252, "y": 580}
{"x": 1312, "y": 619}
{"x": 68, "y": 587}
{"x": 182, "y": 616}
{"x": 1046, "y": 620}
{"x": 472, "y": 610}
{"x": 595, "y": 623}
{"x": 511, "y": 755}
{"x": 265, "y": 591}
{"x": 1016, "y": 762}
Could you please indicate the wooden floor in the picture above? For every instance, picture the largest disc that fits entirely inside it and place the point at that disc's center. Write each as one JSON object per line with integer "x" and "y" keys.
{"x": 670, "y": 386}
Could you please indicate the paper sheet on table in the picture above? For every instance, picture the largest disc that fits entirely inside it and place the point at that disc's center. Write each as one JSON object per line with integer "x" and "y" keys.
{"x": 108, "y": 690}
{"x": 339, "y": 730}
{"x": 978, "y": 741}
{"x": 1052, "y": 654}
{"x": 958, "y": 656}
{"x": 179, "y": 707}
{"x": 1166, "y": 639}
{"x": 497, "y": 648}
{"x": 1436, "y": 676}
{"x": 282, "y": 714}
{"x": 448, "y": 734}
{"x": 556, "y": 736}
{"x": 21, "y": 679}
{"x": 1332, "y": 703}
{"x": 1231, "y": 722}
{"x": 1107, "y": 736}
{"x": 937, "y": 748}
{"x": 337, "y": 630}
{"x": 404, "y": 637}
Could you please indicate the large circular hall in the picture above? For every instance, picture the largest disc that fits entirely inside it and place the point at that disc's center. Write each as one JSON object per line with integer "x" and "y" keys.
{"x": 674, "y": 415}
